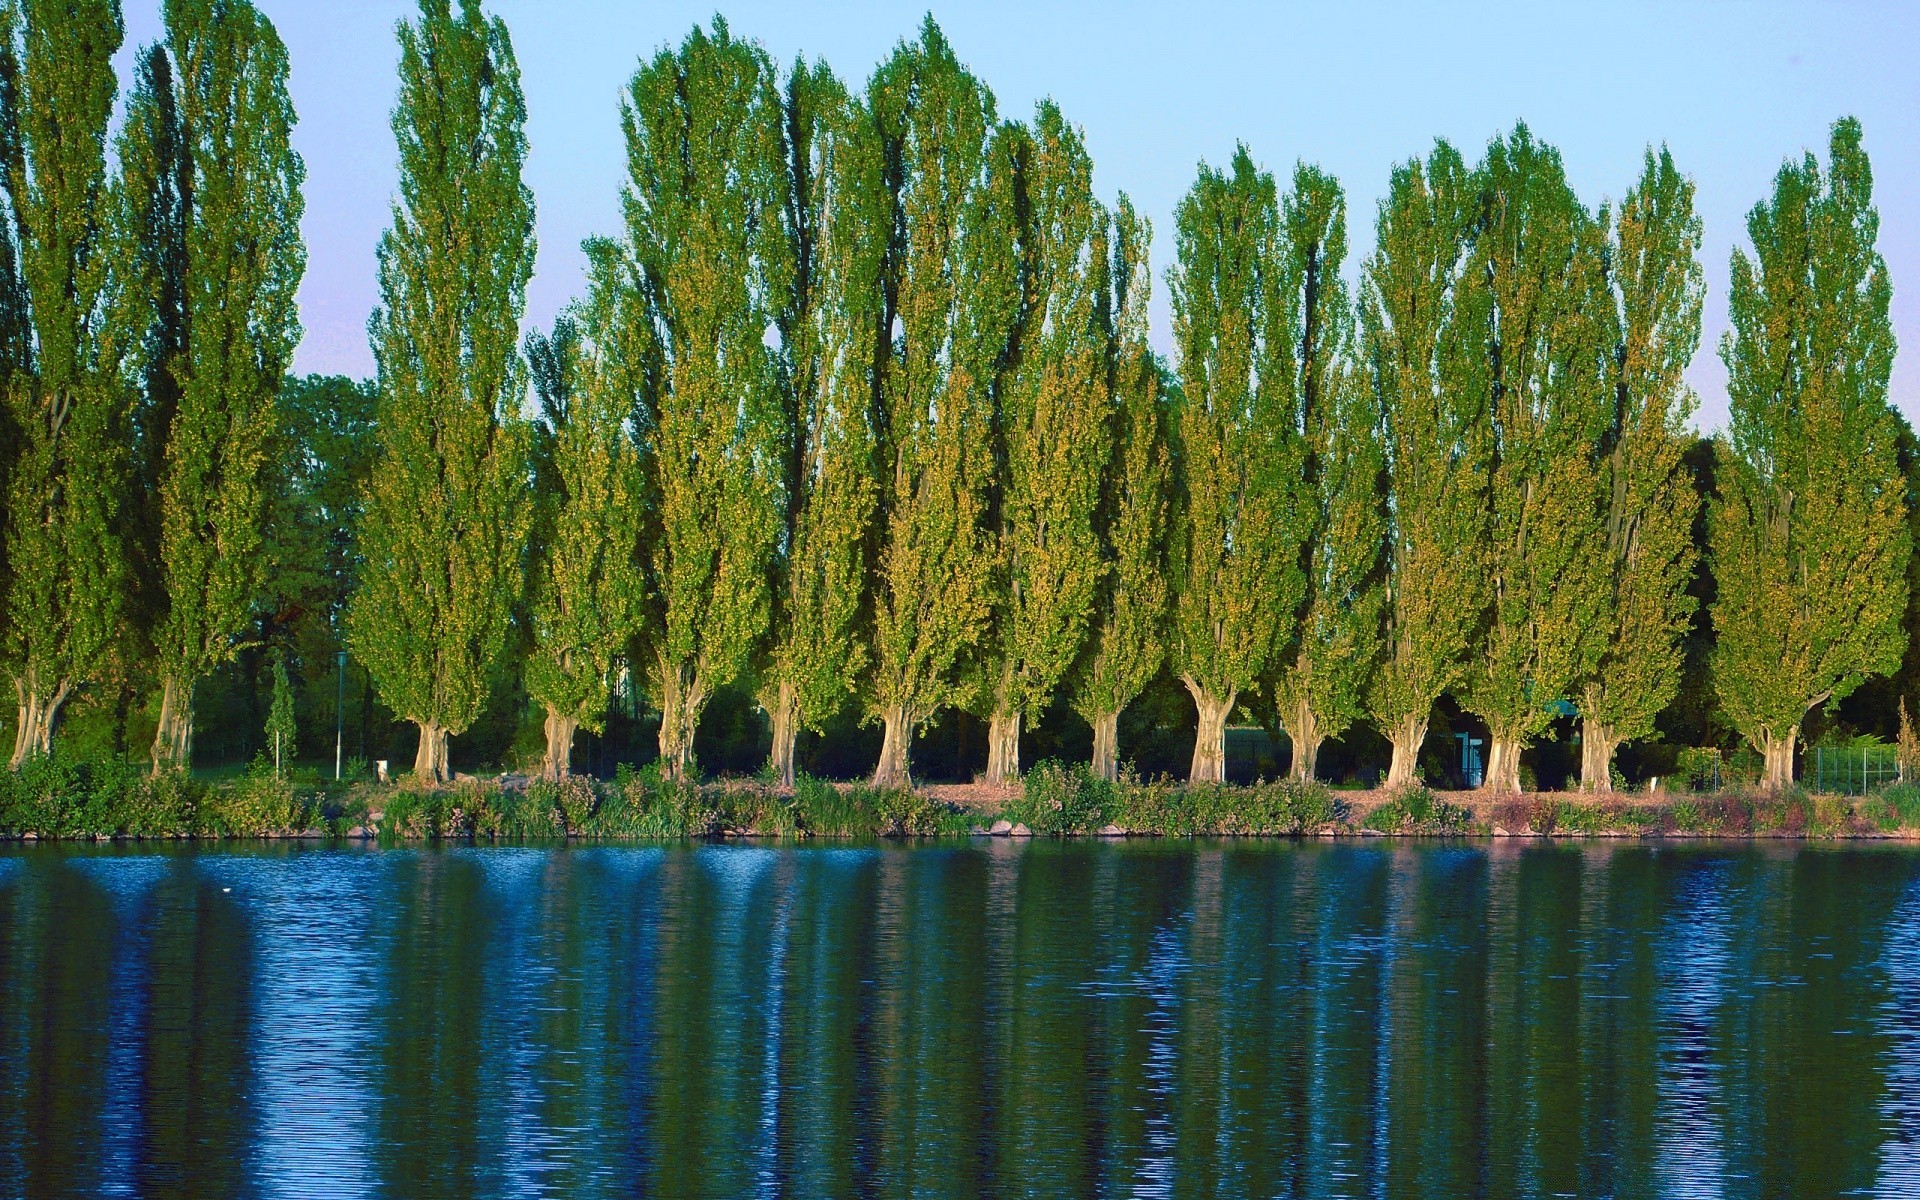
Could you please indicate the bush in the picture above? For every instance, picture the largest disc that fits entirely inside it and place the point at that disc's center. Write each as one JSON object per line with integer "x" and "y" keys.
{"x": 1414, "y": 810}
{"x": 1724, "y": 814}
{"x": 1286, "y": 807}
{"x": 1058, "y": 798}
{"x": 257, "y": 803}
{"x": 1902, "y": 802}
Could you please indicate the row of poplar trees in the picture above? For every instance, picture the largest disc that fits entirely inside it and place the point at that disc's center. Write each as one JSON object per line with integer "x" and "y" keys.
{"x": 859, "y": 410}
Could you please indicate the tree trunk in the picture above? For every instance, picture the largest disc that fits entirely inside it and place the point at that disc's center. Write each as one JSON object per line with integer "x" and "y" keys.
{"x": 39, "y": 711}
{"x": 892, "y": 771}
{"x": 1303, "y": 729}
{"x": 685, "y": 694}
{"x": 430, "y": 760}
{"x": 1106, "y": 746}
{"x": 1407, "y": 737}
{"x": 1210, "y": 740}
{"x": 171, "y": 747}
{"x": 1597, "y": 745}
{"x": 1778, "y": 753}
{"x": 1003, "y": 747}
{"x": 560, "y": 731}
{"x": 785, "y": 718}
{"x": 1503, "y": 765}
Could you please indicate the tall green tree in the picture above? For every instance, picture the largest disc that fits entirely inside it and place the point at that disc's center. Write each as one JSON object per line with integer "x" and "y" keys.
{"x": 705, "y": 206}
{"x": 951, "y": 297}
{"x": 838, "y": 220}
{"x": 1235, "y": 563}
{"x": 1649, "y": 497}
{"x": 586, "y": 584}
{"x": 1809, "y": 535}
{"x": 1431, "y": 398}
{"x": 1542, "y": 320}
{"x": 152, "y": 212}
{"x": 1321, "y": 689}
{"x": 243, "y": 263}
{"x": 64, "y": 549}
{"x": 447, "y": 513}
{"x": 281, "y": 726}
{"x": 1054, "y": 440}
{"x": 1126, "y": 635}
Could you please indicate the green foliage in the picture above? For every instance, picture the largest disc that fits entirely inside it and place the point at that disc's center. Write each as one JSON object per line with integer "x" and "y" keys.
{"x": 1650, "y": 499}
{"x": 1321, "y": 691}
{"x": 1126, "y": 642}
{"x": 707, "y": 259}
{"x": 818, "y": 655}
{"x": 1235, "y": 563}
{"x": 259, "y": 802}
{"x": 1413, "y": 809}
{"x": 1538, "y": 265}
{"x": 586, "y": 587}
{"x": 243, "y": 261}
{"x": 1898, "y": 807}
{"x": 951, "y": 299}
{"x": 1809, "y": 532}
{"x": 446, "y": 516}
{"x": 1431, "y": 393}
{"x": 280, "y": 723}
{"x": 1057, "y": 798}
{"x": 60, "y": 357}
{"x": 1052, "y": 433}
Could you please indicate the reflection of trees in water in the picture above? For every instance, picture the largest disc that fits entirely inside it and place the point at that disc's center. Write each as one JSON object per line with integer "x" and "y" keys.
{"x": 1151, "y": 1019}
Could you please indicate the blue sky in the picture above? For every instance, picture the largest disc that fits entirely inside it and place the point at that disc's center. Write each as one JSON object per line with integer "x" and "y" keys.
{"x": 1733, "y": 88}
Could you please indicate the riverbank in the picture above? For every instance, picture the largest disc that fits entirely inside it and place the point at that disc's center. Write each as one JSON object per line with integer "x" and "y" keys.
{"x": 51, "y": 800}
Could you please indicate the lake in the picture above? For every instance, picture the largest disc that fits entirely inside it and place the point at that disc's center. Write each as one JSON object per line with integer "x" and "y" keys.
{"x": 1354, "y": 1018}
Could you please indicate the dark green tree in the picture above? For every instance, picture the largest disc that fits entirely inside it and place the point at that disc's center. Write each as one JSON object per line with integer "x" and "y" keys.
{"x": 1543, "y": 323}
{"x": 243, "y": 264}
{"x": 705, "y": 205}
{"x": 838, "y": 220}
{"x": 1127, "y": 630}
{"x": 1321, "y": 688}
{"x": 1054, "y": 441}
{"x": 66, "y": 557}
{"x": 1235, "y": 563}
{"x": 1809, "y": 530}
{"x": 1648, "y": 495}
{"x": 1432, "y": 398}
{"x": 951, "y": 298}
{"x": 446, "y": 511}
{"x": 586, "y": 587}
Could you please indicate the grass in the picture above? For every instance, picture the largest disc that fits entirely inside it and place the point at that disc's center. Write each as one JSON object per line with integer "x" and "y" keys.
{"x": 55, "y": 797}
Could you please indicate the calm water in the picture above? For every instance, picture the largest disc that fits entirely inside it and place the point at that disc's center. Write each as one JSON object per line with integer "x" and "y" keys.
{"x": 991, "y": 1020}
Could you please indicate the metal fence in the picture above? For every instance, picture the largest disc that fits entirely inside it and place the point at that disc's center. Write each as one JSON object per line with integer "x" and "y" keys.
{"x": 1849, "y": 770}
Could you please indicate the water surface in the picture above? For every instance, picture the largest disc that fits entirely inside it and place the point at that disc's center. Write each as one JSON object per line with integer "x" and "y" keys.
{"x": 1150, "y": 1019}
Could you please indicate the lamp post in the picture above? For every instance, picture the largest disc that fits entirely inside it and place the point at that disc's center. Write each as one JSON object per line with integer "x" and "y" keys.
{"x": 340, "y": 711}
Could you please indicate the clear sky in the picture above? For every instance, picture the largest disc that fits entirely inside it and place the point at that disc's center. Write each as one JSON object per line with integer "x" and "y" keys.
{"x": 1733, "y": 88}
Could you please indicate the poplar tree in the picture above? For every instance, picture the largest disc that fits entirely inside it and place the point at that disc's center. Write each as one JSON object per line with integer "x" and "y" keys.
{"x": 243, "y": 262}
{"x": 150, "y": 303}
{"x": 1126, "y": 637}
{"x": 1809, "y": 535}
{"x": 1054, "y": 440}
{"x": 446, "y": 514}
{"x": 1649, "y": 497}
{"x": 1320, "y": 690}
{"x": 705, "y": 209}
{"x": 1542, "y": 321}
{"x": 951, "y": 295}
{"x": 837, "y": 219}
{"x": 1235, "y": 562}
{"x": 586, "y": 587}
{"x": 64, "y": 550}
{"x": 1431, "y": 398}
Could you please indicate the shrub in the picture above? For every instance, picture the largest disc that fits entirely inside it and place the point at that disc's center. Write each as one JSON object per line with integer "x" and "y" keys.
{"x": 1414, "y": 810}
{"x": 258, "y": 802}
{"x": 1724, "y": 813}
{"x": 1903, "y": 799}
{"x": 1058, "y": 798}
